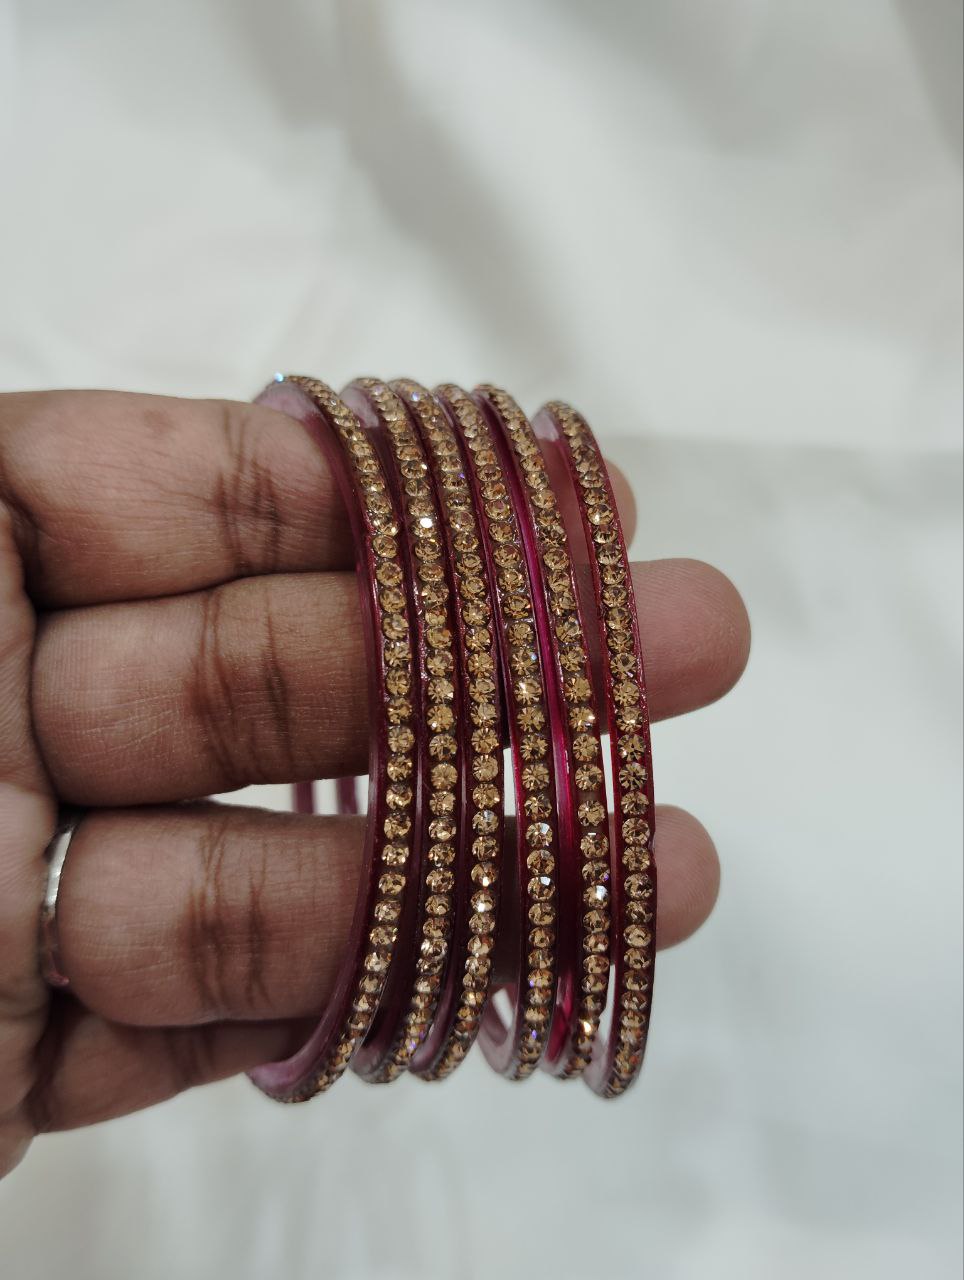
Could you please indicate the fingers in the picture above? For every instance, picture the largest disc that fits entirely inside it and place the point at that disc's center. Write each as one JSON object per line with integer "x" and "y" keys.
{"x": 203, "y": 913}
{"x": 93, "y": 1070}
{"x": 263, "y": 680}
{"x": 118, "y": 496}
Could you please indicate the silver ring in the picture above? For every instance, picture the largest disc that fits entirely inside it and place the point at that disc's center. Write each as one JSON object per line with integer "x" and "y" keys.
{"x": 56, "y": 855}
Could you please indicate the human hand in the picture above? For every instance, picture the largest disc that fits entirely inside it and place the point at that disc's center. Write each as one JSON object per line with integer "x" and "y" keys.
{"x": 178, "y": 617}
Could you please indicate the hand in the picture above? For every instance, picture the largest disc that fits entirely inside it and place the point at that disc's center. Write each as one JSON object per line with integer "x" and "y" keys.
{"x": 178, "y": 617}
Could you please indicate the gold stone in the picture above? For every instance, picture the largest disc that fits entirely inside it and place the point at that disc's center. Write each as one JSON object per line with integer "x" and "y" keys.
{"x": 444, "y": 775}
{"x": 589, "y": 777}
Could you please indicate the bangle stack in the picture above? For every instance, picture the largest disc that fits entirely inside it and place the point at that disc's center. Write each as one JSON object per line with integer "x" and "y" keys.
{"x": 502, "y": 638}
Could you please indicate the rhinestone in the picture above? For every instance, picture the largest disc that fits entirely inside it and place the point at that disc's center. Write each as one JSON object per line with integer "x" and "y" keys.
{"x": 442, "y": 746}
{"x": 582, "y": 718}
{"x": 485, "y": 768}
{"x": 440, "y": 717}
{"x": 440, "y": 689}
{"x": 629, "y": 718}
{"x": 484, "y": 847}
{"x": 531, "y": 718}
{"x": 625, "y": 692}
{"x": 391, "y": 884}
{"x": 399, "y": 709}
{"x": 578, "y": 688}
{"x": 392, "y": 599}
{"x": 571, "y": 660}
{"x": 440, "y": 880}
{"x": 442, "y": 829}
{"x": 539, "y": 834}
{"x": 542, "y": 913}
{"x": 541, "y": 888}
{"x": 376, "y": 962}
{"x": 485, "y": 820}
{"x": 527, "y": 691}
{"x": 485, "y": 874}
{"x": 485, "y": 795}
{"x": 535, "y": 777}
{"x": 480, "y": 945}
{"x": 444, "y": 776}
{"x": 635, "y": 801}
{"x": 398, "y": 797}
{"x": 533, "y": 746}
{"x": 440, "y": 663}
{"x": 595, "y": 921}
{"x": 442, "y": 802}
{"x": 484, "y": 741}
{"x": 389, "y": 574}
{"x": 437, "y": 905}
{"x": 636, "y": 936}
{"x": 399, "y": 767}
{"x": 394, "y": 626}
{"x": 589, "y": 777}
{"x": 638, "y": 886}
{"x": 541, "y": 864}
{"x": 484, "y": 713}
{"x": 441, "y": 855}
{"x": 537, "y": 806}
{"x": 387, "y": 911}
{"x": 596, "y": 943}
{"x": 480, "y": 922}
{"x": 631, "y": 746}
{"x": 632, "y": 775}
{"x": 636, "y": 831}
{"x": 591, "y": 813}
{"x": 398, "y": 682}
{"x": 395, "y": 855}
{"x": 585, "y": 747}
{"x": 400, "y": 738}
{"x": 396, "y": 825}
{"x": 594, "y": 845}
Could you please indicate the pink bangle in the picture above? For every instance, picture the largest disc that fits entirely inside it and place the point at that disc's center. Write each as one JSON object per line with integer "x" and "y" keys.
{"x": 415, "y": 982}
{"x": 514, "y": 1049}
{"x": 584, "y": 950}
{"x": 617, "y": 1059}
{"x": 386, "y": 886}
{"x": 479, "y": 856}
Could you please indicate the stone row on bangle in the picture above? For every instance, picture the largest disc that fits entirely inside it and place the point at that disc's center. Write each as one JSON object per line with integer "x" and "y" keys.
{"x": 502, "y": 640}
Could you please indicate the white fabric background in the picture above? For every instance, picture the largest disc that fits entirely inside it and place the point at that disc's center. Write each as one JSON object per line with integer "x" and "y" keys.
{"x": 731, "y": 233}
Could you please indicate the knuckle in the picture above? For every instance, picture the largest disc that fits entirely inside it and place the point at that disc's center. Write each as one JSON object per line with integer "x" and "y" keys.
{"x": 245, "y": 498}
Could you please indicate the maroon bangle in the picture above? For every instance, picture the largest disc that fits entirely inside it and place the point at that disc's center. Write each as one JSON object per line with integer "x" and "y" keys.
{"x": 385, "y": 884}
{"x": 515, "y": 1049}
{"x": 416, "y": 980}
{"x": 477, "y": 870}
{"x": 584, "y": 943}
{"x": 618, "y": 1057}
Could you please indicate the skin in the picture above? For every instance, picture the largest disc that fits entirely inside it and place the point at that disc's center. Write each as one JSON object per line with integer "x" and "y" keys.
{"x": 177, "y": 618}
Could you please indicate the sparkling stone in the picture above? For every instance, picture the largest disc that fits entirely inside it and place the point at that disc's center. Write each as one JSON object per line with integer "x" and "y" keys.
{"x": 485, "y": 768}
{"x": 527, "y": 691}
{"x": 591, "y": 813}
{"x": 531, "y": 718}
{"x": 442, "y": 802}
{"x": 485, "y": 741}
{"x": 589, "y": 777}
{"x": 399, "y": 767}
{"x": 539, "y": 835}
{"x": 636, "y": 831}
{"x": 387, "y": 911}
{"x": 632, "y": 775}
{"x": 398, "y": 709}
{"x": 440, "y": 717}
{"x": 537, "y": 806}
{"x": 486, "y": 821}
{"x": 585, "y": 747}
{"x": 398, "y": 682}
{"x": 484, "y": 713}
{"x": 533, "y": 746}
{"x": 625, "y": 692}
{"x": 398, "y": 796}
{"x": 442, "y": 829}
{"x": 441, "y": 855}
{"x": 582, "y": 718}
{"x": 594, "y": 845}
{"x": 396, "y": 825}
{"x": 441, "y": 689}
{"x": 394, "y": 626}
{"x": 440, "y": 663}
{"x": 535, "y": 777}
{"x": 541, "y": 888}
{"x": 395, "y": 855}
{"x": 437, "y": 905}
{"x": 444, "y": 775}
{"x": 542, "y": 913}
{"x": 485, "y": 874}
{"x": 485, "y": 795}
{"x": 391, "y": 884}
{"x": 442, "y": 746}
{"x": 484, "y": 847}
{"x": 638, "y": 886}
{"x": 400, "y": 738}
{"x": 631, "y": 747}
{"x": 440, "y": 880}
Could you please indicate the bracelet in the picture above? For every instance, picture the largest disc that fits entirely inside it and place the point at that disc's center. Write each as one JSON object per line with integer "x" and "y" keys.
{"x": 502, "y": 639}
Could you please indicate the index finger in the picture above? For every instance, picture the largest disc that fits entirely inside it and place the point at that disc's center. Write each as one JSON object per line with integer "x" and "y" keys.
{"x": 117, "y": 496}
